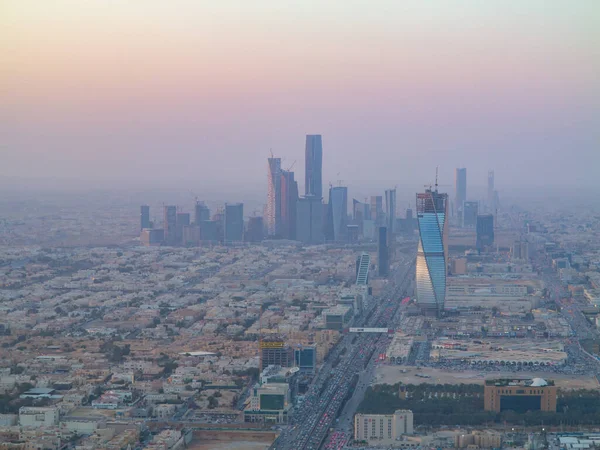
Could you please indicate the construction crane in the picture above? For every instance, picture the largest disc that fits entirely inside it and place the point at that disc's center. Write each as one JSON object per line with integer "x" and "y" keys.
{"x": 292, "y": 166}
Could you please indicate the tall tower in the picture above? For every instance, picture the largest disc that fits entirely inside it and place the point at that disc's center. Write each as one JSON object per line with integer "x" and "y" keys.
{"x": 170, "y": 224}
{"x": 432, "y": 251}
{"x": 390, "y": 210}
{"x": 460, "y": 192}
{"x": 337, "y": 214}
{"x": 234, "y": 222}
{"x": 377, "y": 209}
{"x": 313, "y": 182}
{"x": 491, "y": 195}
{"x": 144, "y": 217}
{"x": 289, "y": 200}
{"x": 273, "y": 209}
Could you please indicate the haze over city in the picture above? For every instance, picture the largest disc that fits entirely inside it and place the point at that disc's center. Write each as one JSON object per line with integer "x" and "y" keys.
{"x": 299, "y": 225}
{"x": 109, "y": 93}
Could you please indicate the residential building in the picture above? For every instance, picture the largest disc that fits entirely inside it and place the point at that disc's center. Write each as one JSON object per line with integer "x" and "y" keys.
{"x": 383, "y": 427}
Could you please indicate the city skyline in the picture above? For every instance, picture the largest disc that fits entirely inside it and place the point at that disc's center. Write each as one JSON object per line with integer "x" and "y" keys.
{"x": 499, "y": 82}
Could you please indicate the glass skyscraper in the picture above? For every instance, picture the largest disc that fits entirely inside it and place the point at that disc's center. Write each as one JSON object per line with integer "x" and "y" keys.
{"x": 273, "y": 207}
{"x": 432, "y": 252}
{"x": 313, "y": 181}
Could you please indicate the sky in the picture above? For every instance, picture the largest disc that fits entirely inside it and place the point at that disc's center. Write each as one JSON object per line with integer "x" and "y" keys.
{"x": 197, "y": 93}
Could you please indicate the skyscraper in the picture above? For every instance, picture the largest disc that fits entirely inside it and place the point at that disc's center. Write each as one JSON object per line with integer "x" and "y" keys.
{"x": 182, "y": 220}
{"x": 432, "y": 251}
{"x": 144, "y": 217}
{"x": 337, "y": 213}
{"x": 255, "y": 229}
{"x": 460, "y": 195}
{"x": 234, "y": 223}
{"x": 201, "y": 213}
{"x": 470, "y": 211}
{"x": 313, "y": 182}
{"x": 485, "y": 231}
{"x": 383, "y": 259}
{"x": 273, "y": 208}
{"x": 170, "y": 224}
{"x": 390, "y": 210}
{"x": 289, "y": 200}
{"x": 309, "y": 220}
{"x": 377, "y": 209}
{"x": 491, "y": 195}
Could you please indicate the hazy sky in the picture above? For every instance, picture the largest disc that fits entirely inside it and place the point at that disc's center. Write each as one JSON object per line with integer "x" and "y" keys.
{"x": 198, "y": 91}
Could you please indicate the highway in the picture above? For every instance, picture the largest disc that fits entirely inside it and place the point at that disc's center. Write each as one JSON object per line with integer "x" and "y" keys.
{"x": 319, "y": 410}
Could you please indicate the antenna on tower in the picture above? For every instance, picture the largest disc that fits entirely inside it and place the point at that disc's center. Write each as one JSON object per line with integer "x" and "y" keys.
{"x": 271, "y": 151}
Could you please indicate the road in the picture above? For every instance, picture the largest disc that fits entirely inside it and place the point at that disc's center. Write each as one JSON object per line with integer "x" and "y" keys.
{"x": 314, "y": 417}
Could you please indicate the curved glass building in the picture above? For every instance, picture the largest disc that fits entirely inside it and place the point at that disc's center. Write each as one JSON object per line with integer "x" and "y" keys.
{"x": 432, "y": 252}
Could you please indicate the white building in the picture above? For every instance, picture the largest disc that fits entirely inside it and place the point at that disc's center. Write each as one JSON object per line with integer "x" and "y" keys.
{"x": 30, "y": 416}
{"x": 383, "y": 427}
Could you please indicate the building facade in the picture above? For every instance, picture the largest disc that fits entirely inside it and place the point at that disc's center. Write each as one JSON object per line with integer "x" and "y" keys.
{"x": 289, "y": 200}
{"x": 144, "y": 217}
{"x": 432, "y": 251}
{"x": 313, "y": 181}
{"x": 201, "y": 213}
{"x": 383, "y": 427}
{"x": 460, "y": 194}
{"x": 520, "y": 395}
{"x": 337, "y": 214}
{"x": 390, "y": 210}
{"x": 309, "y": 220}
{"x": 485, "y": 231}
{"x": 273, "y": 207}
{"x": 469, "y": 213}
{"x": 170, "y": 224}
{"x": 234, "y": 222}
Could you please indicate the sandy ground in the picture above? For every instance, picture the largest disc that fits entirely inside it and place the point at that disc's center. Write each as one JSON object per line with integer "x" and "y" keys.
{"x": 393, "y": 374}
{"x": 229, "y": 445}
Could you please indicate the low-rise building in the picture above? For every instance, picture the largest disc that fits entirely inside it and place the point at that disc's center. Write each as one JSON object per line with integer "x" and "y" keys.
{"x": 383, "y": 427}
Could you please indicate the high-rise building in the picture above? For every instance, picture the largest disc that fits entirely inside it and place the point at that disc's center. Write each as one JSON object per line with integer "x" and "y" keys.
{"x": 209, "y": 231}
{"x": 313, "y": 182}
{"x": 469, "y": 214}
{"x": 152, "y": 237}
{"x": 309, "y": 220}
{"x": 432, "y": 251}
{"x": 191, "y": 235}
{"x": 273, "y": 208}
{"x": 201, "y": 213}
{"x": 377, "y": 209}
{"x": 337, "y": 214}
{"x": 274, "y": 352}
{"x": 181, "y": 220}
{"x": 460, "y": 195}
{"x": 144, "y": 217}
{"x": 170, "y": 224}
{"x": 383, "y": 259}
{"x": 491, "y": 195}
{"x": 485, "y": 231}
{"x": 289, "y": 200}
{"x": 255, "y": 232}
{"x": 390, "y": 210}
{"x": 234, "y": 223}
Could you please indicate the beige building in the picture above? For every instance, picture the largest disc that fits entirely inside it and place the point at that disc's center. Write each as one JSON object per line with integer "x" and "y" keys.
{"x": 520, "y": 395}
{"x": 478, "y": 439}
{"x": 383, "y": 427}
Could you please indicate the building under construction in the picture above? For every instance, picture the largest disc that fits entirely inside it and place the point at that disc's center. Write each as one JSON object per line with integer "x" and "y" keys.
{"x": 275, "y": 352}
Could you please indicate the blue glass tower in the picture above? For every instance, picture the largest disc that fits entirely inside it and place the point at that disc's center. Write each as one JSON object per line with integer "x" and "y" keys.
{"x": 432, "y": 252}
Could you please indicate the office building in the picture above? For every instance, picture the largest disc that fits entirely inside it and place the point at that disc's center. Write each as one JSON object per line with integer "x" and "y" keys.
{"x": 390, "y": 210}
{"x": 219, "y": 218}
{"x": 305, "y": 358}
{"x": 478, "y": 439}
{"x": 289, "y": 200}
{"x": 273, "y": 207}
{"x": 274, "y": 352}
{"x": 485, "y": 231}
{"x": 519, "y": 395}
{"x": 520, "y": 250}
{"x": 377, "y": 209}
{"x": 383, "y": 427}
{"x": 469, "y": 213}
{"x": 201, "y": 213}
{"x": 337, "y": 317}
{"x": 337, "y": 214}
{"x": 460, "y": 193}
{"x": 209, "y": 231}
{"x": 152, "y": 237}
{"x": 432, "y": 251}
{"x": 313, "y": 182}
{"x": 191, "y": 235}
{"x": 144, "y": 217}
{"x": 233, "y": 223}
{"x": 491, "y": 195}
{"x": 170, "y": 224}
{"x": 383, "y": 258}
{"x": 269, "y": 403}
{"x": 255, "y": 231}
{"x": 309, "y": 220}
{"x": 181, "y": 220}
